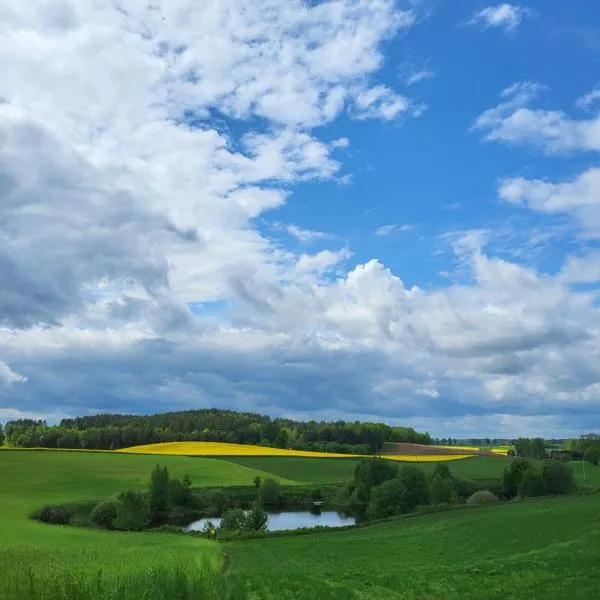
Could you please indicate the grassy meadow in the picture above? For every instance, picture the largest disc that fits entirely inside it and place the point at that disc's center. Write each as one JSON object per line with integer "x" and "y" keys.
{"x": 32, "y": 552}
{"x": 541, "y": 549}
{"x": 512, "y": 550}
{"x": 329, "y": 470}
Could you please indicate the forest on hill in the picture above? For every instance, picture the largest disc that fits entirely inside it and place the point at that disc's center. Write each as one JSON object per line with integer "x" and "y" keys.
{"x": 114, "y": 431}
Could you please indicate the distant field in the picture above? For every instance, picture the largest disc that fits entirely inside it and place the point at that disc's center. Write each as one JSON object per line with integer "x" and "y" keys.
{"x": 543, "y": 549}
{"x": 311, "y": 470}
{"x": 408, "y": 453}
{"x": 221, "y": 449}
{"x": 305, "y": 470}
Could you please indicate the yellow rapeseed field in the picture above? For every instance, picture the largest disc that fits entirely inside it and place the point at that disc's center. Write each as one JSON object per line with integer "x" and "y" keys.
{"x": 499, "y": 451}
{"x": 226, "y": 449}
{"x": 223, "y": 449}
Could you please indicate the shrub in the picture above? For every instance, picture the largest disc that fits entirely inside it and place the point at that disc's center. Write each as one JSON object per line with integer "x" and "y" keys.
{"x": 133, "y": 511}
{"x": 219, "y": 500}
{"x": 558, "y": 478}
{"x": 57, "y": 515}
{"x": 372, "y": 472}
{"x": 160, "y": 492}
{"x": 317, "y": 495}
{"x": 512, "y": 477}
{"x": 482, "y": 497}
{"x": 233, "y": 520}
{"x": 532, "y": 483}
{"x": 257, "y": 519}
{"x": 442, "y": 490}
{"x": 269, "y": 493}
{"x": 592, "y": 456}
{"x": 104, "y": 513}
{"x": 181, "y": 493}
{"x": 387, "y": 499}
{"x": 415, "y": 482}
{"x": 442, "y": 470}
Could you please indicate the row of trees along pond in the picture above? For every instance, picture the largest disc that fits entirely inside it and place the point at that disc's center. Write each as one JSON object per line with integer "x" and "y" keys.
{"x": 379, "y": 489}
{"x": 111, "y": 432}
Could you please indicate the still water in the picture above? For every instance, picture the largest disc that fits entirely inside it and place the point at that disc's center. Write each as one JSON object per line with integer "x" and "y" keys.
{"x": 278, "y": 521}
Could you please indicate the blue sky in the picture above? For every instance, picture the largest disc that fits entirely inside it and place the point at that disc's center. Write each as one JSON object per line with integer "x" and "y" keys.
{"x": 360, "y": 209}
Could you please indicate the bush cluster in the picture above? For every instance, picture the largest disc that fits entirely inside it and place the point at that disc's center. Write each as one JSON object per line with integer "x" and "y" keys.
{"x": 57, "y": 515}
{"x": 380, "y": 489}
{"x": 528, "y": 479}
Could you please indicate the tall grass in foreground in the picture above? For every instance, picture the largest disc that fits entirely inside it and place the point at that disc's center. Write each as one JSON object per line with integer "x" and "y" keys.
{"x": 28, "y": 581}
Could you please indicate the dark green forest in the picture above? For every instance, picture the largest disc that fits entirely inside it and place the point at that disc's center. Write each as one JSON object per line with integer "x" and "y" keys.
{"x": 114, "y": 431}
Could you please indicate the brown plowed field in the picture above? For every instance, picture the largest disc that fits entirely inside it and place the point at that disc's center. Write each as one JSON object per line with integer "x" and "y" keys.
{"x": 421, "y": 450}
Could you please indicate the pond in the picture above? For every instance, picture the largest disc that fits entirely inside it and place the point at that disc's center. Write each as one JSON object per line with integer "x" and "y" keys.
{"x": 279, "y": 521}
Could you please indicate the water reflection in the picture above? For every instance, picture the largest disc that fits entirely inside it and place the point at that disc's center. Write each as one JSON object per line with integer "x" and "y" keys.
{"x": 279, "y": 521}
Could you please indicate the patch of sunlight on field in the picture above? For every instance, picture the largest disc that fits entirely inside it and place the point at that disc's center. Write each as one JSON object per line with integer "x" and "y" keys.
{"x": 426, "y": 457}
{"x": 223, "y": 449}
{"x": 467, "y": 448}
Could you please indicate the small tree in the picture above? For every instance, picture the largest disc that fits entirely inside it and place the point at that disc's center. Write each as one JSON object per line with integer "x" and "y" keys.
{"x": 317, "y": 495}
{"x": 592, "y": 455}
{"x": 180, "y": 493}
{"x": 512, "y": 477}
{"x": 257, "y": 481}
{"x": 538, "y": 448}
{"x": 104, "y": 513}
{"x": 233, "y": 520}
{"x": 442, "y": 490}
{"x": 282, "y": 439}
{"x": 558, "y": 478}
{"x": 269, "y": 493}
{"x": 257, "y": 519}
{"x": 371, "y": 472}
{"x": 219, "y": 500}
{"x": 415, "y": 482}
{"x": 532, "y": 483}
{"x": 1, "y": 435}
{"x": 523, "y": 447}
{"x": 133, "y": 511}
{"x": 160, "y": 492}
{"x": 387, "y": 499}
{"x": 443, "y": 470}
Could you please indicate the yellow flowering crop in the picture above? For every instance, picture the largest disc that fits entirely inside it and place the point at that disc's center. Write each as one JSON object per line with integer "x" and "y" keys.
{"x": 499, "y": 451}
{"x": 222, "y": 449}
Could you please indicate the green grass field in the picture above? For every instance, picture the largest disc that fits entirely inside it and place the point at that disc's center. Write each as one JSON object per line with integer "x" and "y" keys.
{"x": 332, "y": 470}
{"x": 32, "y": 479}
{"x": 305, "y": 470}
{"x": 547, "y": 549}
{"x": 505, "y": 549}
{"x": 329, "y": 470}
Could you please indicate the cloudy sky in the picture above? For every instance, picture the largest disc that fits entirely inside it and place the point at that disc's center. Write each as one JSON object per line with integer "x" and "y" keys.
{"x": 320, "y": 209}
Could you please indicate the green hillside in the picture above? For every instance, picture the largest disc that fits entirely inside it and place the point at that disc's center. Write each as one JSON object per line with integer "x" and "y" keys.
{"x": 547, "y": 549}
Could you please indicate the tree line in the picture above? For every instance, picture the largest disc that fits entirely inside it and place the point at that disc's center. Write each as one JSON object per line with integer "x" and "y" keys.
{"x": 381, "y": 489}
{"x": 587, "y": 448}
{"x": 114, "y": 431}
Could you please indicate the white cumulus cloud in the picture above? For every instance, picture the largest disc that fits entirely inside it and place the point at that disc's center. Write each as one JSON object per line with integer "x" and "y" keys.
{"x": 503, "y": 16}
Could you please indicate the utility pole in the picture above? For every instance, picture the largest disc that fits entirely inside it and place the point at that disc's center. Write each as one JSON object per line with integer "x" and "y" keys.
{"x": 583, "y": 464}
